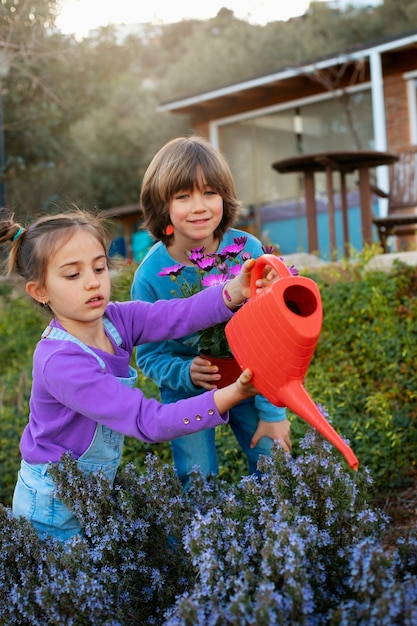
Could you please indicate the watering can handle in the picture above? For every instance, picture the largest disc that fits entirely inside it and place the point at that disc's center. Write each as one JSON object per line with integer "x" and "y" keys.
{"x": 261, "y": 262}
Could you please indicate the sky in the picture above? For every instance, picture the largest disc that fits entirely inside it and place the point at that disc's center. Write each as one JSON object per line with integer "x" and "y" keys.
{"x": 81, "y": 16}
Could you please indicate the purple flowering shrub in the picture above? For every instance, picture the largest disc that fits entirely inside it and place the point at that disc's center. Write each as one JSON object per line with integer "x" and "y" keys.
{"x": 278, "y": 550}
{"x": 300, "y": 545}
{"x": 126, "y": 569}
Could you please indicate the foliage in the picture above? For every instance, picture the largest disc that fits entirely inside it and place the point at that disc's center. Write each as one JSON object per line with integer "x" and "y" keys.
{"x": 301, "y": 545}
{"x": 89, "y": 140}
{"x": 364, "y": 372}
{"x": 115, "y": 141}
{"x": 34, "y": 125}
{"x": 114, "y": 575}
{"x": 21, "y": 323}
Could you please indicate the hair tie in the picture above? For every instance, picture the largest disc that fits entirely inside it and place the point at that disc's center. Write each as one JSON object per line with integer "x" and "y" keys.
{"x": 19, "y": 232}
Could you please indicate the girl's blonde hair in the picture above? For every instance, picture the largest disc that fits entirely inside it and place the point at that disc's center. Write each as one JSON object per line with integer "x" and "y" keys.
{"x": 31, "y": 248}
{"x": 183, "y": 164}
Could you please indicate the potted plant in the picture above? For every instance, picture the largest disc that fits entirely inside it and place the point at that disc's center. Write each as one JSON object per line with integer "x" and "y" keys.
{"x": 213, "y": 269}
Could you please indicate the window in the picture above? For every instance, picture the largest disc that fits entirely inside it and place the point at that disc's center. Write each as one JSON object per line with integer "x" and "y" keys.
{"x": 252, "y": 145}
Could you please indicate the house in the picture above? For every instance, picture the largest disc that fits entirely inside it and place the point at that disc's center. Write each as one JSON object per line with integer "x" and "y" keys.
{"x": 129, "y": 239}
{"x": 364, "y": 98}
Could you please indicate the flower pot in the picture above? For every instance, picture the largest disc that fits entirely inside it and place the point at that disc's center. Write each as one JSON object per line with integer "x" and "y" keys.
{"x": 274, "y": 334}
{"x": 228, "y": 369}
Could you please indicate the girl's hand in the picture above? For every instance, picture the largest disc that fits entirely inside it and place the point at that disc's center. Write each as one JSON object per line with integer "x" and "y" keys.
{"x": 244, "y": 386}
{"x": 238, "y": 290}
{"x": 231, "y": 395}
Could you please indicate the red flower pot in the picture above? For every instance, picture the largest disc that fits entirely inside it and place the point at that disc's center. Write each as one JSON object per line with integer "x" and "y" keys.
{"x": 274, "y": 334}
{"x": 228, "y": 369}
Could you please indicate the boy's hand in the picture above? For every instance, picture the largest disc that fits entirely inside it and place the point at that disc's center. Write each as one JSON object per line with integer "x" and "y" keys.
{"x": 278, "y": 431}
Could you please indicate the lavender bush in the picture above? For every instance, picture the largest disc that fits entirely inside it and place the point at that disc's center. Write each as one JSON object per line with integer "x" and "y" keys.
{"x": 299, "y": 546}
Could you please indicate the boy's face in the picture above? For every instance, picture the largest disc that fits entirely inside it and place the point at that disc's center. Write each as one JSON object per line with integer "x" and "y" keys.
{"x": 195, "y": 214}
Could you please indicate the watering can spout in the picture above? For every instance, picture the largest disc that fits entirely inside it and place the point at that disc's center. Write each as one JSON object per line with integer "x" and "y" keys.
{"x": 274, "y": 335}
{"x": 295, "y": 397}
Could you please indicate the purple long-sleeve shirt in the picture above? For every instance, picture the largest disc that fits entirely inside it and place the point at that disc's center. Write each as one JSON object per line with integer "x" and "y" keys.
{"x": 71, "y": 393}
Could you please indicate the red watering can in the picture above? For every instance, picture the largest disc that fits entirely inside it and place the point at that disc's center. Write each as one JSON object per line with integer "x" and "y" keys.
{"x": 275, "y": 335}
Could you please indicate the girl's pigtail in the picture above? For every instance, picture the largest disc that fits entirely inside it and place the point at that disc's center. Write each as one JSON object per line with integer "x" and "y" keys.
{"x": 11, "y": 233}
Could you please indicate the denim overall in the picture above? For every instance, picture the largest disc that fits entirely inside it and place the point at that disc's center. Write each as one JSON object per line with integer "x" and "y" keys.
{"x": 34, "y": 493}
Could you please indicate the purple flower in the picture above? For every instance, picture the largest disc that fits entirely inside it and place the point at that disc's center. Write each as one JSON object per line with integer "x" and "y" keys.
{"x": 211, "y": 269}
{"x": 173, "y": 270}
{"x": 322, "y": 410}
{"x": 246, "y": 256}
{"x": 234, "y": 249}
{"x": 196, "y": 254}
{"x": 223, "y": 268}
{"x": 268, "y": 249}
{"x": 206, "y": 263}
{"x": 213, "y": 279}
{"x": 234, "y": 270}
{"x": 292, "y": 269}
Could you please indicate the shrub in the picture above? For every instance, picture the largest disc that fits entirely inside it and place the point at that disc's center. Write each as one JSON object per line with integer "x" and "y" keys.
{"x": 125, "y": 570}
{"x": 21, "y": 324}
{"x": 301, "y": 545}
{"x": 364, "y": 371}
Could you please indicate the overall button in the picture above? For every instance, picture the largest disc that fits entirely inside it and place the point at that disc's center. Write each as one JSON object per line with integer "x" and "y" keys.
{"x": 186, "y": 420}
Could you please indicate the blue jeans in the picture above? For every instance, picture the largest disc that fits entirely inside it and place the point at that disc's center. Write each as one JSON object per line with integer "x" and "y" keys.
{"x": 199, "y": 449}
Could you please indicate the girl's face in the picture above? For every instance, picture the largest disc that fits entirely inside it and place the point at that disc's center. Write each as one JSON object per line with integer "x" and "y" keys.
{"x": 77, "y": 285}
{"x": 195, "y": 214}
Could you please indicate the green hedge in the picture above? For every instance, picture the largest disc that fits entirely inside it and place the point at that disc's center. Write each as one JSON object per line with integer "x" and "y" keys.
{"x": 363, "y": 372}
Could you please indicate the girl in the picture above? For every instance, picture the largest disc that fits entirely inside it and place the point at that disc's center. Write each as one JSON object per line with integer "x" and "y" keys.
{"x": 83, "y": 398}
{"x": 189, "y": 200}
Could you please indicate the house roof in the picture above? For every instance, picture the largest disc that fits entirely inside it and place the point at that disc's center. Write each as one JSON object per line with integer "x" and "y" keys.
{"x": 299, "y": 81}
{"x": 117, "y": 211}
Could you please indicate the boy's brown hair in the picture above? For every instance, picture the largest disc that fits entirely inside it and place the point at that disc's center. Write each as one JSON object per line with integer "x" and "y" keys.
{"x": 183, "y": 164}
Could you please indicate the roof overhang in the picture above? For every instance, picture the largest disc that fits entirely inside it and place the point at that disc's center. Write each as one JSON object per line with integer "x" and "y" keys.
{"x": 337, "y": 72}
{"x": 119, "y": 211}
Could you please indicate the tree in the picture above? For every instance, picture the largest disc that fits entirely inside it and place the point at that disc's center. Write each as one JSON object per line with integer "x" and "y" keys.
{"x": 81, "y": 119}
{"x": 31, "y": 105}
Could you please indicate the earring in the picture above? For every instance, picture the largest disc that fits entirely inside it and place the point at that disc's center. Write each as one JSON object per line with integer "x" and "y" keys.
{"x": 169, "y": 230}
